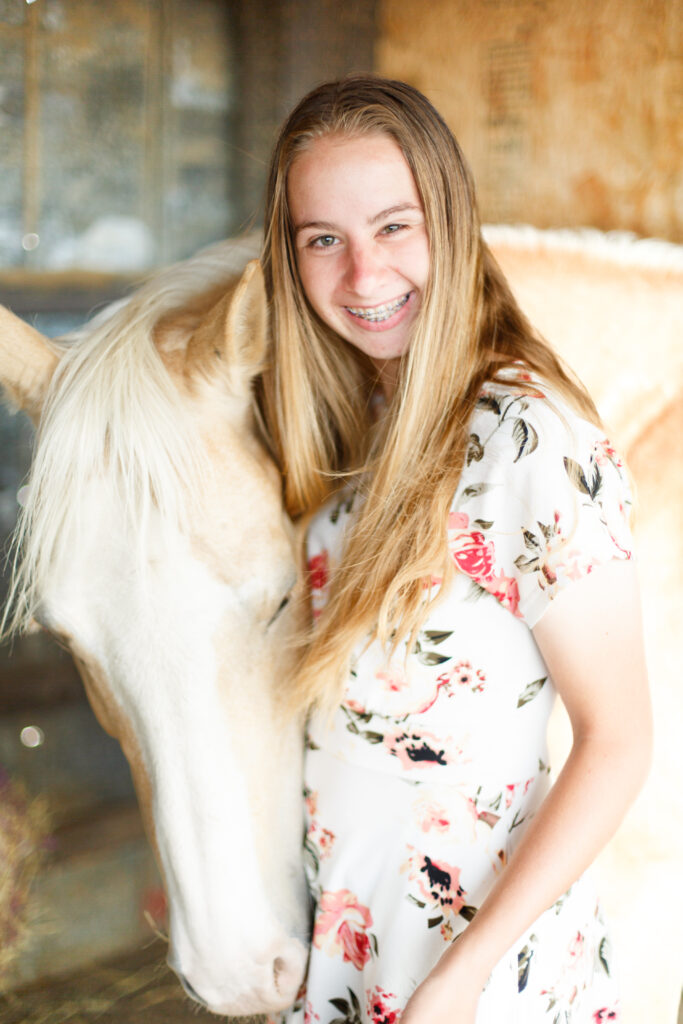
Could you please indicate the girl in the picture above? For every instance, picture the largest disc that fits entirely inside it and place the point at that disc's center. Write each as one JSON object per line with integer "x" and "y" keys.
{"x": 469, "y": 557}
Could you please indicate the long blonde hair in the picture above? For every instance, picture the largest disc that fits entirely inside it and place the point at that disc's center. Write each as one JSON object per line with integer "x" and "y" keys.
{"x": 315, "y": 395}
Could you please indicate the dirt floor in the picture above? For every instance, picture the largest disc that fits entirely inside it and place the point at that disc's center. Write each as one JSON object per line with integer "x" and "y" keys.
{"x": 136, "y": 988}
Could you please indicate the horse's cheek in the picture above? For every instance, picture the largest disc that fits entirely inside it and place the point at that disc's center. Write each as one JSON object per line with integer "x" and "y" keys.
{"x": 114, "y": 722}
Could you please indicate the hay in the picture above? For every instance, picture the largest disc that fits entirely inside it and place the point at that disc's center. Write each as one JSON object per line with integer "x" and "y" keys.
{"x": 133, "y": 988}
{"x": 24, "y": 842}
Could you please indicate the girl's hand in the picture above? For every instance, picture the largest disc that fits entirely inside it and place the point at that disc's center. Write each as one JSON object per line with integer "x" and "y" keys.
{"x": 446, "y": 996}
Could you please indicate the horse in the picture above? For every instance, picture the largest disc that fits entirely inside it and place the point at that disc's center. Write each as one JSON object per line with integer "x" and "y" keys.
{"x": 154, "y": 545}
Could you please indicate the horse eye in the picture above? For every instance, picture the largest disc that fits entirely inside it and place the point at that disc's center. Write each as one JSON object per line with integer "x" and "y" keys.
{"x": 280, "y": 608}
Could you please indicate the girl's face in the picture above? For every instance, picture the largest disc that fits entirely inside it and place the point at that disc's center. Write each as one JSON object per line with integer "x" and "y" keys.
{"x": 361, "y": 243}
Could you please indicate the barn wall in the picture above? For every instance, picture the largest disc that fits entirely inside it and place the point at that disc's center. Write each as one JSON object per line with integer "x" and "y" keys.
{"x": 569, "y": 111}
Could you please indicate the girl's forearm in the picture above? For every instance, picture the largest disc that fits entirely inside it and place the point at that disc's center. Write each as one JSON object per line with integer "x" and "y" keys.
{"x": 577, "y": 818}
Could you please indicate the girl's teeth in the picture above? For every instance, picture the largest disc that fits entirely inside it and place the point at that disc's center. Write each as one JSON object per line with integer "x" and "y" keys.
{"x": 379, "y": 313}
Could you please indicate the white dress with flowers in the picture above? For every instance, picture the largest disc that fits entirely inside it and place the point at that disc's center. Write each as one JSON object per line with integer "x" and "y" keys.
{"x": 420, "y": 789}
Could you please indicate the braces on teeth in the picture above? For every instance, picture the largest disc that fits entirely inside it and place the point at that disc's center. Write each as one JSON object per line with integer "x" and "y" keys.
{"x": 379, "y": 313}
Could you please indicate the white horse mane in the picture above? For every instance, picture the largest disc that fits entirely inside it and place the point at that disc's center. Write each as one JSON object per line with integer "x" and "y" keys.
{"x": 112, "y": 406}
{"x": 620, "y": 247}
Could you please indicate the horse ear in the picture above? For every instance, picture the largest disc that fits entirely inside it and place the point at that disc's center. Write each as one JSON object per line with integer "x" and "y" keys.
{"x": 246, "y": 324}
{"x": 27, "y": 362}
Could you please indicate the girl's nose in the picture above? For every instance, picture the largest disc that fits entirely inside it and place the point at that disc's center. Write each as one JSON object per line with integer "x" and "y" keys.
{"x": 363, "y": 269}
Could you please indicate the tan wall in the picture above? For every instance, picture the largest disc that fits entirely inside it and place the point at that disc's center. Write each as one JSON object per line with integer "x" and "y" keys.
{"x": 570, "y": 111}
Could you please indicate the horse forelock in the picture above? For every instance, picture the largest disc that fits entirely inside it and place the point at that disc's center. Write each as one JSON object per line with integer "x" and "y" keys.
{"x": 113, "y": 412}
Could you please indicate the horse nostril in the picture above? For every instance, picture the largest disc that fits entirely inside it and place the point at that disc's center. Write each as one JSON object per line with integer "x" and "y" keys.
{"x": 278, "y": 967}
{"x": 287, "y": 972}
{"x": 191, "y": 992}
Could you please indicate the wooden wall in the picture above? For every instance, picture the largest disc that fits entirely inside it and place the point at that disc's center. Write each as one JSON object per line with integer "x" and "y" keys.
{"x": 570, "y": 111}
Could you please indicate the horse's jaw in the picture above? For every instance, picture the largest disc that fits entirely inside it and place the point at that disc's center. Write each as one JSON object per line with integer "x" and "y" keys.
{"x": 158, "y": 678}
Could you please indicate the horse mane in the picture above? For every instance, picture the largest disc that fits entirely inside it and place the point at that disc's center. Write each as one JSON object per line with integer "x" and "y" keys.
{"x": 112, "y": 409}
{"x": 622, "y": 248}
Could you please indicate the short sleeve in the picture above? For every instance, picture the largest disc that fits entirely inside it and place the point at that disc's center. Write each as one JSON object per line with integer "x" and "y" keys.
{"x": 544, "y": 499}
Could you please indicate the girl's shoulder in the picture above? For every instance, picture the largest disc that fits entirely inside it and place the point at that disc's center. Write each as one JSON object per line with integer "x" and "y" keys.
{"x": 543, "y": 499}
{"x": 520, "y": 415}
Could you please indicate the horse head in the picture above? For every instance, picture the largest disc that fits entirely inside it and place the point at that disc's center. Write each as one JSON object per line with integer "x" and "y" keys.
{"x": 155, "y": 546}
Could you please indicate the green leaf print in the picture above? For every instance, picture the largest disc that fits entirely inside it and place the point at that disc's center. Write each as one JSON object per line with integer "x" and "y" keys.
{"x": 483, "y": 524}
{"x": 547, "y": 531}
{"x": 468, "y": 913}
{"x": 432, "y": 658}
{"x": 474, "y": 490}
{"x": 489, "y": 402}
{"x": 372, "y": 737}
{"x": 527, "y": 564}
{"x": 349, "y": 1007}
{"x": 413, "y": 899}
{"x": 435, "y": 636}
{"x": 475, "y": 450}
{"x": 576, "y": 475}
{"x": 531, "y": 691}
{"x": 346, "y": 505}
{"x": 578, "y": 478}
{"x": 531, "y": 541}
{"x": 524, "y": 958}
{"x": 603, "y": 954}
{"x": 525, "y": 437}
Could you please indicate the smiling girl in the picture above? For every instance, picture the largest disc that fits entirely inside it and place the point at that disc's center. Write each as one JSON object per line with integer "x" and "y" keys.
{"x": 469, "y": 559}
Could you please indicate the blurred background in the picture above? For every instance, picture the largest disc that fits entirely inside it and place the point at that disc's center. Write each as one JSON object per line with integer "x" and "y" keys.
{"x": 133, "y": 132}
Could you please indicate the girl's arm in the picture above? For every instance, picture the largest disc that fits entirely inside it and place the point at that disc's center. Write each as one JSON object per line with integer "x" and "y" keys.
{"x": 591, "y": 640}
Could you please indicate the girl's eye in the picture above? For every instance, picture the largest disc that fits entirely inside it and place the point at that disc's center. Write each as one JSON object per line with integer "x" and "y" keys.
{"x": 392, "y": 229}
{"x": 323, "y": 241}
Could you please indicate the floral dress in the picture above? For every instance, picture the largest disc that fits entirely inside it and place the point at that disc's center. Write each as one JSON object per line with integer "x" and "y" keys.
{"x": 421, "y": 786}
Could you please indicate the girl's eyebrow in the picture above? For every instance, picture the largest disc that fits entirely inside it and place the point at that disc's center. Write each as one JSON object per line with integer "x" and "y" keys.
{"x": 391, "y": 210}
{"x": 321, "y": 225}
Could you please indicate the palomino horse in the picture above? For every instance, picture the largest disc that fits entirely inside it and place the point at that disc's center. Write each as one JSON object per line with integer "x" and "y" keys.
{"x": 154, "y": 544}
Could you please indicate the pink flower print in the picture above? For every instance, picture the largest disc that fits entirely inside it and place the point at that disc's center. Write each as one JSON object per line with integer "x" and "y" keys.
{"x": 574, "y": 565}
{"x": 318, "y": 578}
{"x": 505, "y": 590}
{"x": 325, "y": 842}
{"x": 460, "y": 817}
{"x": 510, "y": 794}
{"x": 605, "y": 1014}
{"x": 576, "y": 946}
{"x": 437, "y": 882}
{"x": 603, "y": 452}
{"x": 473, "y": 555}
{"x": 341, "y": 927}
{"x": 311, "y": 801}
{"x": 417, "y": 749}
{"x": 457, "y": 521}
{"x": 394, "y": 681}
{"x": 319, "y": 571}
{"x": 321, "y": 839}
{"x": 464, "y": 675}
{"x": 378, "y": 1007}
{"x": 354, "y": 705}
{"x": 512, "y": 790}
{"x": 309, "y": 1014}
{"x": 431, "y": 816}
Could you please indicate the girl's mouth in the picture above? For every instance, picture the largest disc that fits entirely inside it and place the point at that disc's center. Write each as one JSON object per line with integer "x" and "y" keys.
{"x": 378, "y": 314}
